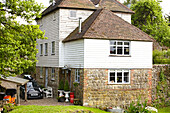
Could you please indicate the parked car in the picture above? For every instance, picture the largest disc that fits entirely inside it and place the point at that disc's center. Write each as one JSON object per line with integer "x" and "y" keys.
{"x": 33, "y": 89}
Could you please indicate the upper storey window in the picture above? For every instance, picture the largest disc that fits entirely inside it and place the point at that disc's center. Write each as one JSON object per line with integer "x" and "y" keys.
{"x": 73, "y": 14}
{"x": 120, "y": 48}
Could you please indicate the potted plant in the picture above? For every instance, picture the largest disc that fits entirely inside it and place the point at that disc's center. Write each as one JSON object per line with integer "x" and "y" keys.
{"x": 66, "y": 90}
{"x": 61, "y": 88}
{"x": 61, "y": 98}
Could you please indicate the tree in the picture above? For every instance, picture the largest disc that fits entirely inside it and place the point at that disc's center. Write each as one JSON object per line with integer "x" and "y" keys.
{"x": 148, "y": 17}
{"x": 127, "y": 2}
{"x": 18, "y": 41}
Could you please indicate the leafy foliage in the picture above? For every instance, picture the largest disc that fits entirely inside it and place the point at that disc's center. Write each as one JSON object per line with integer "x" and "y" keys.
{"x": 18, "y": 42}
{"x": 148, "y": 17}
{"x": 161, "y": 57}
{"x": 138, "y": 108}
{"x": 61, "y": 85}
{"x": 162, "y": 92}
{"x": 66, "y": 86}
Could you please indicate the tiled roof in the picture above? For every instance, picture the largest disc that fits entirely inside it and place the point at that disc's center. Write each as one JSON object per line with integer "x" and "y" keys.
{"x": 81, "y": 4}
{"x": 104, "y": 24}
{"x": 113, "y": 5}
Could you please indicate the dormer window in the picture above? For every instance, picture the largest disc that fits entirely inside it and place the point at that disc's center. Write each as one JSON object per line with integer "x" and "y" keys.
{"x": 73, "y": 14}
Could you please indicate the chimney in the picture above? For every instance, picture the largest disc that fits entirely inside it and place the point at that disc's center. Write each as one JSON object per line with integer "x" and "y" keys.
{"x": 80, "y": 22}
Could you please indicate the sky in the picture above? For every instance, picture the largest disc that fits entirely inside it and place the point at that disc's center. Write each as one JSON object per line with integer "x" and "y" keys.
{"x": 165, "y": 5}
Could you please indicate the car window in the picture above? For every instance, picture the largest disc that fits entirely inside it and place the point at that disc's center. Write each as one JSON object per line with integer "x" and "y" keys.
{"x": 29, "y": 85}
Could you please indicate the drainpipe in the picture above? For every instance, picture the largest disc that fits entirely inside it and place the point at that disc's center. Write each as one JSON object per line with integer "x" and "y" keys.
{"x": 80, "y": 22}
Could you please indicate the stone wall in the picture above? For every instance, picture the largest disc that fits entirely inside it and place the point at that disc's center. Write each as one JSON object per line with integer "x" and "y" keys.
{"x": 98, "y": 93}
{"x": 52, "y": 82}
{"x": 156, "y": 73}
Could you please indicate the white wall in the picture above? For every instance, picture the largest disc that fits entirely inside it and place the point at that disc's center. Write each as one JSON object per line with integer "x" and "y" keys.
{"x": 125, "y": 16}
{"x": 96, "y": 55}
{"x": 67, "y": 25}
{"x": 51, "y": 28}
{"x": 74, "y": 54}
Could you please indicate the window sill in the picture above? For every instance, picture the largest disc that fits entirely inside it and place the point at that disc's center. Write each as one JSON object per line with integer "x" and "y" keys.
{"x": 119, "y": 55}
{"x": 52, "y": 79}
{"x": 45, "y": 55}
{"x": 118, "y": 83}
{"x": 41, "y": 55}
{"x": 52, "y": 53}
{"x": 54, "y": 19}
{"x": 41, "y": 77}
{"x": 73, "y": 18}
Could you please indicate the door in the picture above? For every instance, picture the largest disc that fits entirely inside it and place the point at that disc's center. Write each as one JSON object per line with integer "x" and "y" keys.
{"x": 46, "y": 77}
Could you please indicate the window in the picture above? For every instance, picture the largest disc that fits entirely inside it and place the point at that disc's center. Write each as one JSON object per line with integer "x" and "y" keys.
{"x": 77, "y": 76}
{"x": 52, "y": 73}
{"x": 54, "y": 16}
{"x": 41, "y": 49}
{"x": 119, "y": 48}
{"x": 46, "y": 48}
{"x": 53, "y": 48}
{"x": 119, "y": 77}
{"x": 73, "y": 14}
{"x": 41, "y": 72}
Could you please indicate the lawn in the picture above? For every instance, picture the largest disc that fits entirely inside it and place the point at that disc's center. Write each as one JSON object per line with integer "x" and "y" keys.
{"x": 54, "y": 109}
{"x": 164, "y": 110}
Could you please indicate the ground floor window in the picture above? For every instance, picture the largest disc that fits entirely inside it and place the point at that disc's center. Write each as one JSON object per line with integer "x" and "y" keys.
{"x": 52, "y": 73}
{"x": 119, "y": 77}
{"x": 41, "y": 72}
{"x": 77, "y": 75}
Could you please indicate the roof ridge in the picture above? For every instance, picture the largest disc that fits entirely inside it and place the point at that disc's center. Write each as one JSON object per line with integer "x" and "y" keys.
{"x": 124, "y": 6}
{"x": 134, "y": 27}
{"x": 97, "y": 16}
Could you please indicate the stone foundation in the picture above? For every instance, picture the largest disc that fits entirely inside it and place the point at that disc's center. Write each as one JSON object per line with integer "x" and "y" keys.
{"x": 51, "y": 82}
{"x": 98, "y": 93}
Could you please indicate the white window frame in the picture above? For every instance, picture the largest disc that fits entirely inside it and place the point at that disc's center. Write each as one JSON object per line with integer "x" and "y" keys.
{"x": 46, "y": 49}
{"x": 52, "y": 73}
{"x": 53, "y": 48}
{"x": 41, "y": 72}
{"x": 123, "y": 46}
{"x": 54, "y": 16}
{"x": 109, "y": 82}
{"x": 77, "y": 75}
{"x": 70, "y": 15}
{"x": 41, "y": 49}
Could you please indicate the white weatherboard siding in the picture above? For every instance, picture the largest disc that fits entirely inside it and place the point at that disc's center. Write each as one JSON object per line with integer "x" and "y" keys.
{"x": 74, "y": 54}
{"x": 125, "y": 16}
{"x": 96, "y": 55}
{"x": 68, "y": 25}
{"x": 51, "y": 28}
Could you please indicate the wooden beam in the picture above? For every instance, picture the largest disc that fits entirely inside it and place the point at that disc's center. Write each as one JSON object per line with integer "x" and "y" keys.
{"x": 18, "y": 95}
{"x": 25, "y": 92}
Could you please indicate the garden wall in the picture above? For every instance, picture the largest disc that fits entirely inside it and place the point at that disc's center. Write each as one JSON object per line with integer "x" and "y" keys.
{"x": 156, "y": 77}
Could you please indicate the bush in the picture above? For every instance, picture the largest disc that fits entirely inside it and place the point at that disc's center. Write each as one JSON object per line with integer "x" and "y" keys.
{"x": 161, "y": 57}
{"x": 66, "y": 86}
{"x": 8, "y": 107}
{"x": 61, "y": 85}
{"x": 138, "y": 108}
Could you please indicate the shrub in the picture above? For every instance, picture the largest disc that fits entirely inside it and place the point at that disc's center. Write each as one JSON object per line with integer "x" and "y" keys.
{"x": 61, "y": 85}
{"x": 138, "y": 108}
{"x": 161, "y": 57}
{"x": 66, "y": 86}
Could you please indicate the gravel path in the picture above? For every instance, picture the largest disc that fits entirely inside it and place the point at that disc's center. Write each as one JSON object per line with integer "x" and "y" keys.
{"x": 44, "y": 102}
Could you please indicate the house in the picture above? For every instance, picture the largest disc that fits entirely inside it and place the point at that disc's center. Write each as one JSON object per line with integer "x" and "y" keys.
{"x": 93, "y": 44}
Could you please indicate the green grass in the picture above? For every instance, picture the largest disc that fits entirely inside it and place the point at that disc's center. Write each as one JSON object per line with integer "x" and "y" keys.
{"x": 53, "y": 109}
{"x": 164, "y": 110}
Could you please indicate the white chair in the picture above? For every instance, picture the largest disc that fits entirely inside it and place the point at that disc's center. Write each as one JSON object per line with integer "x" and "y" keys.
{"x": 48, "y": 92}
